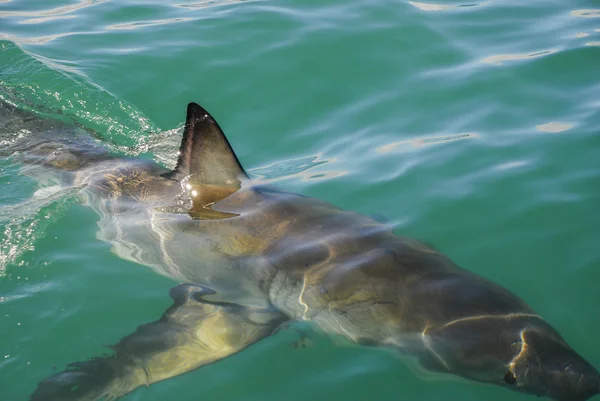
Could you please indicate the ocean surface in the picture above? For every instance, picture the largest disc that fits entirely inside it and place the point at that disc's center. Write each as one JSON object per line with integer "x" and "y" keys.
{"x": 473, "y": 126}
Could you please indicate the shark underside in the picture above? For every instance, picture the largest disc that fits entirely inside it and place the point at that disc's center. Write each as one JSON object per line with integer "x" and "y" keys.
{"x": 251, "y": 258}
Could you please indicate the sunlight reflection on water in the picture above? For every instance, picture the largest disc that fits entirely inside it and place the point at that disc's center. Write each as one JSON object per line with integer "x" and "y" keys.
{"x": 23, "y": 224}
{"x": 46, "y": 19}
{"x": 143, "y": 24}
{"x": 53, "y": 11}
{"x": 412, "y": 144}
{"x": 499, "y": 58}
{"x": 39, "y": 40}
{"x": 209, "y": 3}
{"x": 554, "y": 127}
{"x": 443, "y": 7}
{"x": 296, "y": 168}
{"x": 589, "y": 13}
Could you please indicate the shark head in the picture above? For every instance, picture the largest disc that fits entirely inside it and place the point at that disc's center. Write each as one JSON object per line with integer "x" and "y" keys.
{"x": 520, "y": 352}
{"x": 547, "y": 366}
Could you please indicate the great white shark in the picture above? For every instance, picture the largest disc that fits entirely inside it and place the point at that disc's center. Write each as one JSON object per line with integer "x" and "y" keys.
{"x": 251, "y": 258}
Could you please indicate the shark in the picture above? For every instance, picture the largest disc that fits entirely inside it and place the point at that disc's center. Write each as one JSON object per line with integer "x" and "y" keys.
{"x": 249, "y": 259}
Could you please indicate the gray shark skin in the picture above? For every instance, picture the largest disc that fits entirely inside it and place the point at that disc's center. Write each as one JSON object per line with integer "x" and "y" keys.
{"x": 250, "y": 258}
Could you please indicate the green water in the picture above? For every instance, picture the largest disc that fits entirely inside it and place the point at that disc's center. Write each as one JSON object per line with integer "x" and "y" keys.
{"x": 473, "y": 126}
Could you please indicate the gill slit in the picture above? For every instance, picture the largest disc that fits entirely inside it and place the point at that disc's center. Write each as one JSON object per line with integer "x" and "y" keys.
{"x": 431, "y": 350}
{"x": 301, "y": 298}
{"x": 341, "y": 327}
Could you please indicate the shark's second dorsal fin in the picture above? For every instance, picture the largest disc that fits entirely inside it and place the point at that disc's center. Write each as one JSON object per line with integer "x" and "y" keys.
{"x": 205, "y": 155}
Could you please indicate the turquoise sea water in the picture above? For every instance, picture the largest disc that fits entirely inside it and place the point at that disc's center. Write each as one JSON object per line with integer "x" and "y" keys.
{"x": 473, "y": 126}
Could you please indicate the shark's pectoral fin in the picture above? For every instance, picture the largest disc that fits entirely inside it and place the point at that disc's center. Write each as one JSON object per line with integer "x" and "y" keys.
{"x": 191, "y": 333}
{"x": 207, "y": 167}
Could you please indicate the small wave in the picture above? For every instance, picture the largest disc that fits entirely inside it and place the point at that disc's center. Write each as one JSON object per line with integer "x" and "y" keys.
{"x": 23, "y": 224}
{"x": 442, "y": 7}
{"x": 45, "y": 19}
{"x": 143, "y": 24}
{"x": 589, "y": 13}
{"x": 512, "y": 165}
{"x": 38, "y": 40}
{"x": 209, "y": 3}
{"x": 499, "y": 58}
{"x": 164, "y": 146}
{"x": 52, "y": 11}
{"x": 420, "y": 142}
{"x": 72, "y": 98}
{"x": 554, "y": 127}
{"x": 296, "y": 168}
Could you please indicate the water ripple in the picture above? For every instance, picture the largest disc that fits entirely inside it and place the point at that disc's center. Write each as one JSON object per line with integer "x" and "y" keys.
{"x": 39, "y": 40}
{"x": 295, "y": 168}
{"x": 589, "y": 13}
{"x": 46, "y": 19}
{"x": 23, "y": 224}
{"x": 53, "y": 11}
{"x": 143, "y": 24}
{"x": 554, "y": 127}
{"x": 499, "y": 58}
{"x": 511, "y": 165}
{"x": 209, "y": 3}
{"x": 443, "y": 7}
{"x": 411, "y": 144}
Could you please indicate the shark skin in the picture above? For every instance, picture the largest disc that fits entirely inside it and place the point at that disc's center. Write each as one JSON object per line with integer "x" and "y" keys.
{"x": 251, "y": 258}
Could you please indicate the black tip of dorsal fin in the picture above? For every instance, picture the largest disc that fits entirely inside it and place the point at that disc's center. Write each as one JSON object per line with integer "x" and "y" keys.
{"x": 205, "y": 153}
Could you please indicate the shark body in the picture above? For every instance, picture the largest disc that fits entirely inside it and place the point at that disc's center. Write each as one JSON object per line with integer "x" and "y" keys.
{"x": 250, "y": 258}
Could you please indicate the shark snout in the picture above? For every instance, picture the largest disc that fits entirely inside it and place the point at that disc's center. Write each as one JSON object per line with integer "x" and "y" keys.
{"x": 547, "y": 366}
{"x": 576, "y": 387}
{"x": 578, "y": 381}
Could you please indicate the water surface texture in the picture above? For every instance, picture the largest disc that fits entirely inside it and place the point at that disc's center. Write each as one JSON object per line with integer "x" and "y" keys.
{"x": 473, "y": 126}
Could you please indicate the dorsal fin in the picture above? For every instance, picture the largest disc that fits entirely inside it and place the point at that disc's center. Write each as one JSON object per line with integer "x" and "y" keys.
{"x": 205, "y": 155}
{"x": 207, "y": 168}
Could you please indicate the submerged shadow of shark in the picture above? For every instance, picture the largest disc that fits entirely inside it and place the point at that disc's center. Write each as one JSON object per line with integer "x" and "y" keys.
{"x": 252, "y": 258}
